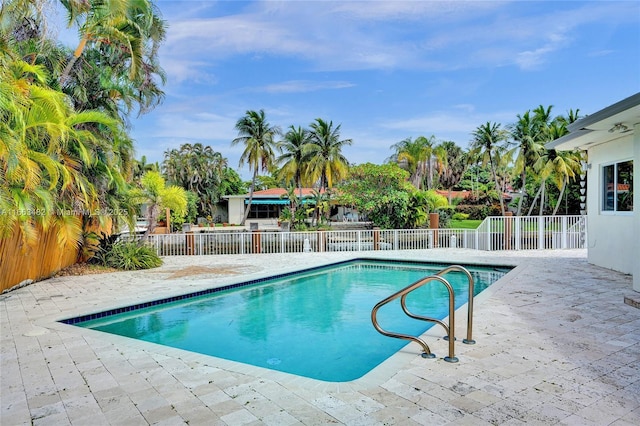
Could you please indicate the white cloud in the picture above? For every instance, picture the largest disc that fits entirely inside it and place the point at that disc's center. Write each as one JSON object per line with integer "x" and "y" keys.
{"x": 199, "y": 126}
{"x": 456, "y": 124}
{"x": 302, "y": 86}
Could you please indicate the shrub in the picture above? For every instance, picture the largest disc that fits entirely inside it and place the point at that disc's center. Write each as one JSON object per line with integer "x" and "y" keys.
{"x": 131, "y": 256}
{"x": 445, "y": 213}
{"x": 474, "y": 212}
{"x": 460, "y": 216}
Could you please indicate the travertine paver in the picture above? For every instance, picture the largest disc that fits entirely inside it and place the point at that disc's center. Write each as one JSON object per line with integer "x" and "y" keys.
{"x": 555, "y": 345}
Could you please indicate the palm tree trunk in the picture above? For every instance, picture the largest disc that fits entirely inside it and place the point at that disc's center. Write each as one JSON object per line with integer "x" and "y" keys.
{"x": 523, "y": 176}
{"x": 564, "y": 185}
{"x": 535, "y": 200}
{"x": 76, "y": 54}
{"x": 248, "y": 209}
{"x": 495, "y": 180}
{"x": 542, "y": 198}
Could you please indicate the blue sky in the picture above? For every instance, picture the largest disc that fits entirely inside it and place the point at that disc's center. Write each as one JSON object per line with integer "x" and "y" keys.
{"x": 384, "y": 70}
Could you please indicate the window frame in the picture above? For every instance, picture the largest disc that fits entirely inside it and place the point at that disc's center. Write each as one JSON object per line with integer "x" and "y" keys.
{"x": 604, "y": 193}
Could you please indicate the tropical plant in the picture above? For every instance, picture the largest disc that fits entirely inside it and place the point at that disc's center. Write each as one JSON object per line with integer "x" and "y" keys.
{"x": 486, "y": 147}
{"x": 324, "y": 153}
{"x": 258, "y": 138}
{"x": 199, "y": 169}
{"x": 451, "y": 170}
{"x": 383, "y": 194}
{"x": 130, "y": 256}
{"x": 415, "y": 156}
{"x": 154, "y": 194}
{"x": 293, "y": 167}
{"x": 130, "y": 27}
{"x": 529, "y": 133}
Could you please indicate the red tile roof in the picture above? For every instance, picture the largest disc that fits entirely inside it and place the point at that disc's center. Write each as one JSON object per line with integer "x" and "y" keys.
{"x": 279, "y": 192}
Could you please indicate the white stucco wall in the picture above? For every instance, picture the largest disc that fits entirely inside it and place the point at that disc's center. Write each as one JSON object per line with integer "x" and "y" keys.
{"x": 612, "y": 238}
{"x": 636, "y": 207}
{"x": 236, "y": 210}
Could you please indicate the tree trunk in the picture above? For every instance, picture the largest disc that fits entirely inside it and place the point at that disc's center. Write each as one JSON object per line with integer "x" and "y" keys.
{"x": 152, "y": 219}
{"x": 535, "y": 200}
{"x": 495, "y": 180}
{"x": 544, "y": 186}
{"x": 564, "y": 185}
{"x": 523, "y": 176}
{"x": 248, "y": 208}
{"x": 76, "y": 54}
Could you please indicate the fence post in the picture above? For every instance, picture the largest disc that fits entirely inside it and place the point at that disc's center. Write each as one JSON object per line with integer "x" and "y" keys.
{"x": 540, "y": 233}
{"x": 508, "y": 222}
{"x": 489, "y": 236}
{"x": 190, "y": 242}
{"x": 321, "y": 235}
{"x": 376, "y": 238}
{"x": 434, "y": 224}
{"x": 564, "y": 232}
{"x": 256, "y": 241}
{"x": 518, "y": 232}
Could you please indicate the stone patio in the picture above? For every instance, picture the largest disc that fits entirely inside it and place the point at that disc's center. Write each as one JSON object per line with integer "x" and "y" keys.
{"x": 556, "y": 344}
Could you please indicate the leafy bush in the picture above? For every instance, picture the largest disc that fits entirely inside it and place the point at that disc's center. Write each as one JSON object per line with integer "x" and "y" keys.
{"x": 460, "y": 216}
{"x": 130, "y": 256}
{"x": 474, "y": 212}
{"x": 445, "y": 213}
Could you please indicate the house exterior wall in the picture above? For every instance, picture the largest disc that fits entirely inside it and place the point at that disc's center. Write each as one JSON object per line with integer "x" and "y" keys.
{"x": 636, "y": 207}
{"x": 236, "y": 210}
{"x": 612, "y": 236}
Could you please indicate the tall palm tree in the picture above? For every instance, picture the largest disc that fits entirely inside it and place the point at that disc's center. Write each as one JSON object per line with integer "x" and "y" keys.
{"x": 293, "y": 167}
{"x": 453, "y": 166}
{"x": 131, "y": 26}
{"x": 258, "y": 137}
{"x": 528, "y": 133}
{"x": 112, "y": 76}
{"x": 560, "y": 166}
{"x": 324, "y": 153}
{"x": 415, "y": 157}
{"x": 487, "y": 140}
{"x": 199, "y": 169}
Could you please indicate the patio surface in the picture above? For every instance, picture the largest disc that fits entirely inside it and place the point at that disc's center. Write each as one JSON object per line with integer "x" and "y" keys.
{"x": 556, "y": 344}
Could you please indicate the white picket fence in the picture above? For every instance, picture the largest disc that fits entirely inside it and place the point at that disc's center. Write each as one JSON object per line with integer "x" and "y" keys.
{"x": 495, "y": 233}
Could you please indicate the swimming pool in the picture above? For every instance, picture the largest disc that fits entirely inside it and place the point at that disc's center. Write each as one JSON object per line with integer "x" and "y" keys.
{"x": 314, "y": 323}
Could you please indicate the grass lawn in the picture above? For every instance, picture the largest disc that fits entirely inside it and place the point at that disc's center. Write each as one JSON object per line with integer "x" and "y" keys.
{"x": 465, "y": 224}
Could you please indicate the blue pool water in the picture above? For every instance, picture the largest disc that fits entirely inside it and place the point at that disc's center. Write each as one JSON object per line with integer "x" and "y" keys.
{"x": 314, "y": 323}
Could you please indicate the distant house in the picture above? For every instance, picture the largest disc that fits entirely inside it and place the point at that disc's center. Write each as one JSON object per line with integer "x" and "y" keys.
{"x": 611, "y": 139}
{"x": 266, "y": 205}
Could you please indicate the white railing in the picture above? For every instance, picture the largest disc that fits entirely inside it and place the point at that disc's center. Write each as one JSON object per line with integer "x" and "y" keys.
{"x": 495, "y": 233}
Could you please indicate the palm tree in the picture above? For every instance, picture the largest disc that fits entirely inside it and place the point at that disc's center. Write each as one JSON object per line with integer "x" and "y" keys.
{"x": 453, "y": 166}
{"x": 199, "y": 169}
{"x": 257, "y": 135}
{"x": 415, "y": 157}
{"x": 292, "y": 162}
{"x": 154, "y": 192}
{"x": 560, "y": 166}
{"x": 529, "y": 133}
{"x": 112, "y": 76}
{"x": 131, "y": 26}
{"x": 487, "y": 140}
{"x": 292, "y": 159}
{"x": 324, "y": 153}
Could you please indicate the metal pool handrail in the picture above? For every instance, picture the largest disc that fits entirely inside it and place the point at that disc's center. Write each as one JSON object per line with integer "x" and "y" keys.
{"x": 469, "y": 340}
{"x": 402, "y": 293}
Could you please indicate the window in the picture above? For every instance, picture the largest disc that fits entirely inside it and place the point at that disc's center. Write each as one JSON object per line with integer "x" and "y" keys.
{"x": 617, "y": 187}
{"x": 264, "y": 211}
